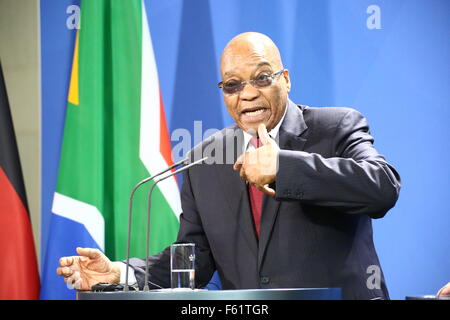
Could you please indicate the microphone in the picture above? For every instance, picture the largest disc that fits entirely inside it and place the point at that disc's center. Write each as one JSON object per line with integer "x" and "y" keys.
{"x": 130, "y": 210}
{"x": 146, "y": 287}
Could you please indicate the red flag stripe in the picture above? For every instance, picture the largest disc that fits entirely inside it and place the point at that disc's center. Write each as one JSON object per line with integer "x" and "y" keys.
{"x": 18, "y": 266}
{"x": 164, "y": 143}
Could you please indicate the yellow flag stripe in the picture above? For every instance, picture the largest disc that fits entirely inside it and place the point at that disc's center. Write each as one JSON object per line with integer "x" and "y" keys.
{"x": 73, "y": 88}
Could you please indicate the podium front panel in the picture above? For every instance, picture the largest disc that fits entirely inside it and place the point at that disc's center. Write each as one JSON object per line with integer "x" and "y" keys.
{"x": 251, "y": 294}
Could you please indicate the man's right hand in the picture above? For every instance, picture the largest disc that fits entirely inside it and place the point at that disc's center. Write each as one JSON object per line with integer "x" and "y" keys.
{"x": 91, "y": 267}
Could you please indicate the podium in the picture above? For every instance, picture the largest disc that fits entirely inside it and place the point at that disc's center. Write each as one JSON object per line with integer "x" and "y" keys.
{"x": 428, "y": 297}
{"x": 250, "y": 294}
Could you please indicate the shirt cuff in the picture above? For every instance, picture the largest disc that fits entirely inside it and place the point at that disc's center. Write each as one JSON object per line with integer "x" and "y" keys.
{"x": 131, "y": 276}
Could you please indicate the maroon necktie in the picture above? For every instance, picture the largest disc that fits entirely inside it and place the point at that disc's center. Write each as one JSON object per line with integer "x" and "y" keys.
{"x": 256, "y": 196}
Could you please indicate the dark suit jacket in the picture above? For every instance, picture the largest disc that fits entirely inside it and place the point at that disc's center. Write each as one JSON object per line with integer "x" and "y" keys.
{"x": 317, "y": 230}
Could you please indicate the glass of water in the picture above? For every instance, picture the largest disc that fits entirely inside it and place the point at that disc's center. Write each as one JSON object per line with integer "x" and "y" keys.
{"x": 182, "y": 266}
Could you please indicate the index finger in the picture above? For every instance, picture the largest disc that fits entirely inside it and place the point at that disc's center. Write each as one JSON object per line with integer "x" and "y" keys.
{"x": 89, "y": 252}
{"x": 263, "y": 134}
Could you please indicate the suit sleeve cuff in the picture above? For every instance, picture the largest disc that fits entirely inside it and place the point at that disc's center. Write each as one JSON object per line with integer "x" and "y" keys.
{"x": 131, "y": 276}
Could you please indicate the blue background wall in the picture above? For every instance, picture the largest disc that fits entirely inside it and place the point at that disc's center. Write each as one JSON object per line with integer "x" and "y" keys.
{"x": 397, "y": 76}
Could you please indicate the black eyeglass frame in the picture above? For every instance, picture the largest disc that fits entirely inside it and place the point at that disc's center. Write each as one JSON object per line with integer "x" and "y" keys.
{"x": 253, "y": 82}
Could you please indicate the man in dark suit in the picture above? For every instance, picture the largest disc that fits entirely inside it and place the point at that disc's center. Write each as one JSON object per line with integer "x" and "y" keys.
{"x": 286, "y": 198}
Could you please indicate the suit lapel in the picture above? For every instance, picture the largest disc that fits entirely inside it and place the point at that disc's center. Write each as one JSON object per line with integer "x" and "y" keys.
{"x": 289, "y": 138}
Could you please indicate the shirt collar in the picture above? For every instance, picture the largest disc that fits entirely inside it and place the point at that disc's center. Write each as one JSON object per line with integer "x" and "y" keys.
{"x": 272, "y": 133}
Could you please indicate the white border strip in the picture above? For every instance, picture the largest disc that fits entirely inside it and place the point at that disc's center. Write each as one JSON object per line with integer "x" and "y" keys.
{"x": 81, "y": 212}
{"x": 149, "y": 144}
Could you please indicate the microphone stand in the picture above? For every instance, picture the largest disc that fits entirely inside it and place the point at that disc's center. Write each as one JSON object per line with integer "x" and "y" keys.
{"x": 130, "y": 210}
{"x": 146, "y": 286}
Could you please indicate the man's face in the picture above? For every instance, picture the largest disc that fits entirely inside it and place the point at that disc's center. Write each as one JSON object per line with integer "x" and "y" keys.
{"x": 253, "y": 106}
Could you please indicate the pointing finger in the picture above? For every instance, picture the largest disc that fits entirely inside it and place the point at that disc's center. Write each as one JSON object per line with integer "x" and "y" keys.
{"x": 263, "y": 134}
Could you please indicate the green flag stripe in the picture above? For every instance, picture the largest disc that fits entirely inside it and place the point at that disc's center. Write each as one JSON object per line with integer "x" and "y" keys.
{"x": 100, "y": 154}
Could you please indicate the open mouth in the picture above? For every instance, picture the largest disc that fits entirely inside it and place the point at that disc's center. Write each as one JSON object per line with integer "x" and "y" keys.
{"x": 254, "y": 114}
{"x": 253, "y": 111}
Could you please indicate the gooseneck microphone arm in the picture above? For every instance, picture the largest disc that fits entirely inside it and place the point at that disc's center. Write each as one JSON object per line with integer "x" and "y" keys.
{"x": 146, "y": 286}
{"x": 130, "y": 210}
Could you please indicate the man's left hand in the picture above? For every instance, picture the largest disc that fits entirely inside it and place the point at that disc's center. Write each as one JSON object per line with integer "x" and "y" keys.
{"x": 445, "y": 290}
{"x": 259, "y": 166}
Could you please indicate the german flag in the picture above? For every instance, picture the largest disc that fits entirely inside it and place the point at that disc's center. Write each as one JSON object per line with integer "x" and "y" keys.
{"x": 19, "y": 277}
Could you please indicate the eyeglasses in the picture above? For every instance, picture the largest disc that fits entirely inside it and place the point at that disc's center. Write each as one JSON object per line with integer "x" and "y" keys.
{"x": 263, "y": 80}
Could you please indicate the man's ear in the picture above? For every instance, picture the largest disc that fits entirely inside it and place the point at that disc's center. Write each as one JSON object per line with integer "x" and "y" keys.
{"x": 287, "y": 79}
